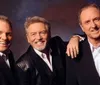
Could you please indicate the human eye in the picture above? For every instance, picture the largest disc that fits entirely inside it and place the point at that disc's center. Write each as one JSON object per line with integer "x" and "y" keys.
{"x": 87, "y": 22}
{"x": 32, "y": 34}
{"x": 1, "y": 32}
{"x": 97, "y": 19}
{"x": 43, "y": 32}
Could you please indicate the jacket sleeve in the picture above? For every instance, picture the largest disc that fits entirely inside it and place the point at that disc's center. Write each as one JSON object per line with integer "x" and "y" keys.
{"x": 27, "y": 73}
{"x": 71, "y": 78}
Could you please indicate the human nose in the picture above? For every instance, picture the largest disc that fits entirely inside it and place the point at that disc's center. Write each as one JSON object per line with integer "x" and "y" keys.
{"x": 93, "y": 24}
{"x": 4, "y": 36}
{"x": 38, "y": 36}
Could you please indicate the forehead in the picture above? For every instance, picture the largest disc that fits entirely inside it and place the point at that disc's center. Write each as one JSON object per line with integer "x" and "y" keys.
{"x": 90, "y": 12}
{"x": 36, "y": 26}
{"x": 4, "y": 26}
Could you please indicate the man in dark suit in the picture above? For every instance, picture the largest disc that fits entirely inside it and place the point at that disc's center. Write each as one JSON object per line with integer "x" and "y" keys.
{"x": 8, "y": 74}
{"x": 85, "y": 69}
{"x": 44, "y": 62}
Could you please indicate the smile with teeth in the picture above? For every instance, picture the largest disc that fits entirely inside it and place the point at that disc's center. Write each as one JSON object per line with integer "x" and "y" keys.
{"x": 3, "y": 43}
{"x": 40, "y": 42}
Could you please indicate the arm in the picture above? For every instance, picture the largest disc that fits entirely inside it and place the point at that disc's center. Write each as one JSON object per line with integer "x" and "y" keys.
{"x": 73, "y": 45}
{"x": 26, "y": 71}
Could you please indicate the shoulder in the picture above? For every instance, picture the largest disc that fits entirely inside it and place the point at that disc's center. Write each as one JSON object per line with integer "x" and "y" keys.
{"x": 22, "y": 57}
{"x": 84, "y": 43}
{"x": 56, "y": 38}
{"x": 25, "y": 55}
{"x": 56, "y": 41}
{"x": 24, "y": 62}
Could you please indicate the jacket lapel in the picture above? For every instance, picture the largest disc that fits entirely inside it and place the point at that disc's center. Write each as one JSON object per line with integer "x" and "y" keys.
{"x": 87, "y": 65}
{"x": 39, "y": 63}
{"x": 89, "y": 57}
{"x": 6, "y": 71}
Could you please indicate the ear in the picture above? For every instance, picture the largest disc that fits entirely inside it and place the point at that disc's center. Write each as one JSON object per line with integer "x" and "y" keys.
{"x": 27, "y": 37}
{"x": 81, "y": 27}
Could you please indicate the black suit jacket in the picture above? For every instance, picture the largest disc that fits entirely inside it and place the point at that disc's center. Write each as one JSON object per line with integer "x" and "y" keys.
{"x": 8, "y": 76}
{"x": 82, "y": 71}
{"x": 34, "y": 71}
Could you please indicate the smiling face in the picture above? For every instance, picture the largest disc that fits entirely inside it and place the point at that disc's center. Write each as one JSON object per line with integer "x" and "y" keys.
{"x": 37, "y": 35}
{"x": 5, "y": 35}
{"x": 90, "y": 22}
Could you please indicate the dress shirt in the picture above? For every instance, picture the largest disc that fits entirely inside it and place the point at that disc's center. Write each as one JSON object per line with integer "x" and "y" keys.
{"x": 96, "y": 56}
{"x": 45, "y": 59}
{"x": 6, "y": 60}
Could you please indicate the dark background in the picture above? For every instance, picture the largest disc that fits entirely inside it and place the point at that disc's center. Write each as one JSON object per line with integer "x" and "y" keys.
{"x": 62, "y": 15}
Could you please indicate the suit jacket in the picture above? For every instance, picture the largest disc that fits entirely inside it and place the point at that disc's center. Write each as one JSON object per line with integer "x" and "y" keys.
{"x": 82, "y": 70}
{"x": 8, "y": 76}
{"x": 34, "y": 71}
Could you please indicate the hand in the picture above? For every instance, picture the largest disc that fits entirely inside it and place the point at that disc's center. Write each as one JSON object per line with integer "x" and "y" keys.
{"x": 73, "y": 46}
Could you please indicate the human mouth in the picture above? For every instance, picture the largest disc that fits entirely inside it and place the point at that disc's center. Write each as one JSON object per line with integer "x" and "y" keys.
{"x": 4, "y": 43}
{"x": 95, "y": 31}
{"x": 40, "y": 42}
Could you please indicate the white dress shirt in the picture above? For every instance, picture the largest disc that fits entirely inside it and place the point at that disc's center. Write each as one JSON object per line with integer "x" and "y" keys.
{"x": 6, "y": 60}
{"x": 96, "y": 56}
{"x": 45, "y": 59}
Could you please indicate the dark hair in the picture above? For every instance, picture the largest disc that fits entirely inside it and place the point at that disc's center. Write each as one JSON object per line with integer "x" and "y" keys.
{"x": 87, "y": 6}
{"x": 6, "y": 19}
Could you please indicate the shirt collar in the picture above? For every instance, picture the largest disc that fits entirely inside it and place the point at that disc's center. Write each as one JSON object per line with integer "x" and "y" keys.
{"x": 1, "y": 53}
{"x": 93, "y": 47}
{"x": 39, "y": 52}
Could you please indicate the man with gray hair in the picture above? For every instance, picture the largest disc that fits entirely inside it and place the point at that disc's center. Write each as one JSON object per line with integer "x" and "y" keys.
{"x": 44, "y": 63}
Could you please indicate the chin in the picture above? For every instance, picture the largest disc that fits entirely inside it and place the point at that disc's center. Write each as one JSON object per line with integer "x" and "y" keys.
{"x": 40, "y": 49}
{"x": 2, "y": 50}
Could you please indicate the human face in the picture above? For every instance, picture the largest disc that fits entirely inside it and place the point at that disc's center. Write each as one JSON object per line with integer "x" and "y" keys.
{"x": 5, "y": 36}
{"x": 90, "y": 22}
{"x": 37, "y": 36}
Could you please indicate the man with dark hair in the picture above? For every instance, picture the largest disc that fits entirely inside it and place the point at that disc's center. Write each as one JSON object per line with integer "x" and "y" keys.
{"x": 85, "y": 68}
{"x": 8, "y": 72}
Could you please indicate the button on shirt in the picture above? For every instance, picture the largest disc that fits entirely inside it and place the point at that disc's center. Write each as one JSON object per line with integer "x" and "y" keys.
{"x": 45, "y": 59}
{"x": 96, "y": 56}
{"x": 6, "y": 60}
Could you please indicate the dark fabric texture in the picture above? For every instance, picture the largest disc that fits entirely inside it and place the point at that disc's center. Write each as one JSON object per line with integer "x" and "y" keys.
{"x": 8, "y": 75}
{"x": 82, "y": 70}
{"x": 34, "y": 71}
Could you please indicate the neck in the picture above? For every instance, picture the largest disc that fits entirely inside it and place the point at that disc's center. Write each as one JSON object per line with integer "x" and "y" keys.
{"x": 94, "y": 42}
{"x": 46, "y": 51}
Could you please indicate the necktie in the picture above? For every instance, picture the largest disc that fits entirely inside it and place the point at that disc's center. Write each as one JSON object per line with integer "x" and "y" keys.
{"x": 4, "y": 57}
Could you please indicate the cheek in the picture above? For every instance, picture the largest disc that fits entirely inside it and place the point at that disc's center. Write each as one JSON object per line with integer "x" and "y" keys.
{"x": 98, "y": 25}
{"x": 85, "y": 28}
{"x": 31, "y": 40}
{"x": 46, "y": 37}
